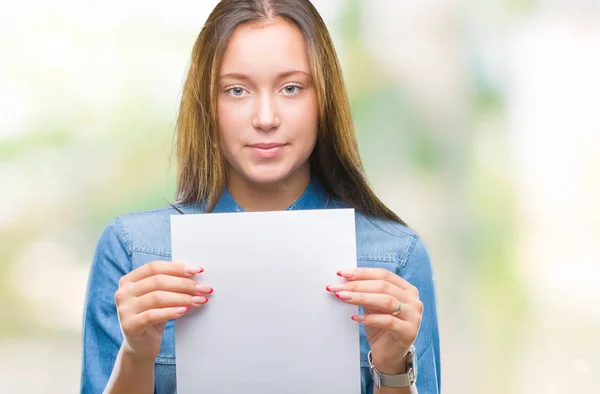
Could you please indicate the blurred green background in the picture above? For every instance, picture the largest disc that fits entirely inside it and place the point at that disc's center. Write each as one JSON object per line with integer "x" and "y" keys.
{"x": 478, "y": 124}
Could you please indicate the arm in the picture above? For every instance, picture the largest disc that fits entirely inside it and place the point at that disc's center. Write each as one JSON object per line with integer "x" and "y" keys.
{"x": 390, "y": 333}
{"x": 107, "y": 367}
{"x": 131, "y": 375}
{"x": 102, "y": 337}
{"x": 126, "y": 312}
{"x": 418, "y": 271}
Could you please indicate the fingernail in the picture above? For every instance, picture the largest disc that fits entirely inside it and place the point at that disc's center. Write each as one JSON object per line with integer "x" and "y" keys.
{"x": 344, "y": 295}
{"x": 190, "y": 270}
{"x": 182, "y": 310}
{"x": 199, "y": 300}
{"x": 346, "y": 274}
{"x": 334, "y": 288}
{"x": 201, "y": 289}
{"x": 358, "y": 318}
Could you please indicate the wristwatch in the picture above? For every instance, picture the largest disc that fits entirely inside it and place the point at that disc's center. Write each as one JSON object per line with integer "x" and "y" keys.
{"x": 401, "y": 380}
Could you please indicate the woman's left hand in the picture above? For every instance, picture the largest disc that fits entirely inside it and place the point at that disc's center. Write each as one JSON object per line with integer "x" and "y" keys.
{"x": 390, "y": 333}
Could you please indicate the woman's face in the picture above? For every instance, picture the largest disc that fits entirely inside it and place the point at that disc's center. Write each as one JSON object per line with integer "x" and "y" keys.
{"x": 267, "y": 105}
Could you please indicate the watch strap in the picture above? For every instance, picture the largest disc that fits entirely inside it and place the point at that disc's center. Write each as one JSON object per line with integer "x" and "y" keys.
{"x": 400, "y": 380}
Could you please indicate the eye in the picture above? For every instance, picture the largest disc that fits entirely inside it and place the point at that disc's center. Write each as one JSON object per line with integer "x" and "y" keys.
{"x": 292, "y": 89}
{"x": 235, "y": 91}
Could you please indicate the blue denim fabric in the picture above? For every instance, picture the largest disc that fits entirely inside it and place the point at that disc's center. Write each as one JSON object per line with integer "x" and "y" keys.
{"x": 135, "y": 239}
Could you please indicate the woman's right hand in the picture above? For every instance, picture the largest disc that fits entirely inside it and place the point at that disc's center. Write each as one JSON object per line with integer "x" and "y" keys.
{"x": 149, "y": 296}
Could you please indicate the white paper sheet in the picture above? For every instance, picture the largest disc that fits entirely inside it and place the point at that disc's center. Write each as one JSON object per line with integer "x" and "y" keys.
{"x": 269, "y": 327}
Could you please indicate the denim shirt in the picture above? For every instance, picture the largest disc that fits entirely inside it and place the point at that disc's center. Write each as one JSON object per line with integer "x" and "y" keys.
{"x": 130, "y": 241}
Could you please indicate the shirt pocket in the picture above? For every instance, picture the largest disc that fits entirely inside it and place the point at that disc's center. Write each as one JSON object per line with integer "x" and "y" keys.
{"x": 387, "y": 262}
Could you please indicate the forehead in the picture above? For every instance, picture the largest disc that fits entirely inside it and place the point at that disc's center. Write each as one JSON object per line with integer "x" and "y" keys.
{"x": 260, "y": 49}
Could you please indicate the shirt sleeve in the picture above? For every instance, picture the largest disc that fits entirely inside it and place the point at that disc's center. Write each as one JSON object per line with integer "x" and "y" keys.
{"x": 102, "y": 337}
{"x": 418, "y": 271}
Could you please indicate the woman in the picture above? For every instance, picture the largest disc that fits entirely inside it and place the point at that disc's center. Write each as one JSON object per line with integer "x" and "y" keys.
{"x": 264, "y": 124}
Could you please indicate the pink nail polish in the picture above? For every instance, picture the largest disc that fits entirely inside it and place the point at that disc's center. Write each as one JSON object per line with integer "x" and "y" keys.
{"x": 182, "y": 310}
{"x": 193, "y": 270}
{"x": 358, "y": 318}
{"x": 335, "y": 288}
{"x": 346, "y": 274}
{"x": 343, "y": 295}
{"x": 200, "y": 289}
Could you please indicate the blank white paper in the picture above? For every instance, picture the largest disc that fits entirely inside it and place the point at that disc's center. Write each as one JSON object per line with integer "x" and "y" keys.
{"x": 270, "y": 327}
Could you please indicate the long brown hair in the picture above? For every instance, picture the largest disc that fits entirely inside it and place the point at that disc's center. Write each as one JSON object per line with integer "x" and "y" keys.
{"x": 335, "y": 161}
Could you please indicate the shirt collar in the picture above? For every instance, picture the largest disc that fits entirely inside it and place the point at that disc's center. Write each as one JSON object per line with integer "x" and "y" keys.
{"x": 313, "y": 197}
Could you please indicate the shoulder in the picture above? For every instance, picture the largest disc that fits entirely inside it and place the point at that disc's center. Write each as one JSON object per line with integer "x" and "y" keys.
{"x": 149, "y": 231}
{"x": 385, "y": 240}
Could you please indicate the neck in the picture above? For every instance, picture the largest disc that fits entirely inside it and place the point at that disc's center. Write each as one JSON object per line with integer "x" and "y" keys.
{"x": 276, "y": 196}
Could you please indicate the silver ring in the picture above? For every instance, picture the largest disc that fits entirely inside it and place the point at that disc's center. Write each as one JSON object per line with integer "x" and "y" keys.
{"x": 398, "y": 309}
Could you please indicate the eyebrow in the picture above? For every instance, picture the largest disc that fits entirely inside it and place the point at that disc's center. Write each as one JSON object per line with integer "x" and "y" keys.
{"x": 247, "y": 78}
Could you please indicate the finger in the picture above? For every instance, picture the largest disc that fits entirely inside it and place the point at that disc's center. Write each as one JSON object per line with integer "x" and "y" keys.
{"x": 378, "y": 302}
{"x": 165, "y": 299}
{"x": 406, "y": 332}
{"x": 374, "y": 274}
{"x": 369, "y": 286}
{"x": 137, "y": 324}
{"x": 170, "y": 283}
{"x": 158, "y": 267}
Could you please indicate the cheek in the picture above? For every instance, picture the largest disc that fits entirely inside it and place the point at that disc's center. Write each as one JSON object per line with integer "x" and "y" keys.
{"x": 228, "y": 123}
{"x": 303, "y": 119}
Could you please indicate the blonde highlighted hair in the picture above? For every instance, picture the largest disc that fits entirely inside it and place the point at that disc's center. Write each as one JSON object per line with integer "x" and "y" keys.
{"x": 335, "y": 161}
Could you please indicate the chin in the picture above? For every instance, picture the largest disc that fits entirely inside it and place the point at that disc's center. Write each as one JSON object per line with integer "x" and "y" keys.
{"x": 267, "y": 174}
{"x": 266, "y": 177}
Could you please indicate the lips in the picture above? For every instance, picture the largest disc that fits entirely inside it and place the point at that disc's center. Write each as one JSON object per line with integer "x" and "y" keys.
{"x": 266, "y": 145}
{"x": 267, "y": 150}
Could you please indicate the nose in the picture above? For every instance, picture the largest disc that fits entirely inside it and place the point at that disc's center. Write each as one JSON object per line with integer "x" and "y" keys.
{"x": 266, "y": 117}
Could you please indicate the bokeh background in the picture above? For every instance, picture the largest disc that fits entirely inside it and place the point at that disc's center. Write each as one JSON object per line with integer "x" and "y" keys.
{"x": 478, "y": 123}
